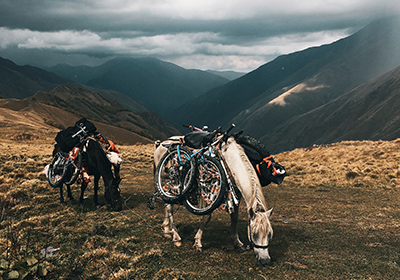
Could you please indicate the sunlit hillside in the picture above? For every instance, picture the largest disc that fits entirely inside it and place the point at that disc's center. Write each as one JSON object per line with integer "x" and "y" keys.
{"x": 336, "y": 216}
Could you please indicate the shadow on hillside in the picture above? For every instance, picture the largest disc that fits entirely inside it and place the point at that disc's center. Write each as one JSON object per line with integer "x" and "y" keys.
{"x": 284, "y": 236}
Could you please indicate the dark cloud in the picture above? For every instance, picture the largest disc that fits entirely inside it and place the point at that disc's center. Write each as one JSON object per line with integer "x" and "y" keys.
{"x": 184, "y": 32}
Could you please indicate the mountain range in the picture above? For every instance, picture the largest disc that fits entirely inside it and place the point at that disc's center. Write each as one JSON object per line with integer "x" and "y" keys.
{"x": 297, "y": 83}
{"x": 59, "y": 102}
{"x": 62, "y": 106}
{"x": 158, "y": 85}
{"x": 370, "y": 111}
{"x": 24, "y": 81}
{"x": 346, "y": 90}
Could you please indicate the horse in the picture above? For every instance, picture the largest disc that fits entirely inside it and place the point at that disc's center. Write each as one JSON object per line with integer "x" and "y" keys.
{"x": 99, "y": 166}
{"x": 259, "y": 228}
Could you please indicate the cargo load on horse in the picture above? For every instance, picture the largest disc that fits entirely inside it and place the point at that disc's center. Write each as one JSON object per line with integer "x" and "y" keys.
{"x": 81, "y": 151}
{"x": 245, "y": 164}
{"x": 266, "y": 168}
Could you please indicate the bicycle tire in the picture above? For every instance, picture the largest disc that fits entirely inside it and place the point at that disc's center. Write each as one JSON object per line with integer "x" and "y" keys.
{"x": 211, "y": 188}
{"x": 175, "y": 174}
{"x": 76, "y": 169}
{"x": 57, "y": 170}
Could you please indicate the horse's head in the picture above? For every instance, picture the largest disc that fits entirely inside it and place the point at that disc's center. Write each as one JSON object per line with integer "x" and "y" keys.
{"x": 260, "y": 233}
{"x": 112, "y": 194}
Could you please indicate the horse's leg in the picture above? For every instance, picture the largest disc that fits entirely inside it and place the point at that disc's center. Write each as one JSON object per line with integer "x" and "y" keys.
{"x": 96, "y": 189}
{"x": 117, "y": 168}
{"x": 69, "y": 193}
{"x": 61, "y": 195}
{"x": 83, "y": 188}
{"x": 234, "y": 232}
{"x": 168, "y": 225}
{"x": 197, "y": 238}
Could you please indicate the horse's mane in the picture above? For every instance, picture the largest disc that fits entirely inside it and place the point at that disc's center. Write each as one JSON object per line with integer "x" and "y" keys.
{"x": 256, "y": 200}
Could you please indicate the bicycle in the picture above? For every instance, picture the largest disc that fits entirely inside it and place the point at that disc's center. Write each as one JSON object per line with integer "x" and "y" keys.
{"x": 198, "y": 179}
{"x": 66, "y": 164}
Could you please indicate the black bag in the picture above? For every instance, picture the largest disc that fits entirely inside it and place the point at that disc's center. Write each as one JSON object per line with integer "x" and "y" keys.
{"x": 86, "y": 125}
{"x": 198, "y": 139}
{"x": 267, "y": 170}
{"x": 70, "y": 137}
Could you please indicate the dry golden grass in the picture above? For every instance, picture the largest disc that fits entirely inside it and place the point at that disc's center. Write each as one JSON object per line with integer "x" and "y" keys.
{"x": 336, "y": 216}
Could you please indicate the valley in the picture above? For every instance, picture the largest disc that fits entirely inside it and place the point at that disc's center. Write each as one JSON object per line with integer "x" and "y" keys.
{"x": 336, "y": 216}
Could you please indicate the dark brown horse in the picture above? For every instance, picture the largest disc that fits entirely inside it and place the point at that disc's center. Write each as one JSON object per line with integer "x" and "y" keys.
{"x": 99, "y": 166}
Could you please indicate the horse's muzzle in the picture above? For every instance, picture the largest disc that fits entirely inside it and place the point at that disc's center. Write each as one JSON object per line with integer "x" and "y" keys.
{"x": 264, "y": 262}
{"x": 118, "y": 206}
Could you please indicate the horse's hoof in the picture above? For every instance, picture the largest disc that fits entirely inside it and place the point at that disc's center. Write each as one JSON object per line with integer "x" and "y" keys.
{"x": 178, "y": 243}
{"x": 168, "y": 235}
{"x": 198, "y": 249}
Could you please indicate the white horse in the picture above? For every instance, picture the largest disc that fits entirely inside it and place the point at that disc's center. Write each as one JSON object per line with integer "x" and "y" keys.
{"x": 244, "y": 177}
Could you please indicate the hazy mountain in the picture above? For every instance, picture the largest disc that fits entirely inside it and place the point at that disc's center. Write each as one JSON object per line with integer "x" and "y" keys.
{"x": 23, "y": 81}
{"x": 229, "y": 75}
{"x": 296, "y": 83}
{"x": 105, "y": 106}
{"x": 156, "y": 84}
{"x": 369, "y": 112}
{"x": 83, "y": 102}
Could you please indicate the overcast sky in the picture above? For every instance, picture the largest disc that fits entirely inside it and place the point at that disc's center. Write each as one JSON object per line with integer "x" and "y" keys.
{"x": 238, "y": 35}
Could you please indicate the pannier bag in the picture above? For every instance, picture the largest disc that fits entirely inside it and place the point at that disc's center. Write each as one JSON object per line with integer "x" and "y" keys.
{"x": 86, "y": 125}
{"x": 198, "y": 139}
{"x": 71, "y": 136}
{"x": 266, "y": 168}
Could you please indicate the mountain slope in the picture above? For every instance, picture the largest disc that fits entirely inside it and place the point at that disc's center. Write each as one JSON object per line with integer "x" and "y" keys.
{"x": 23, "y": 81}
{"x": 97, "y": 107}
{"x": 303, "y": 81}
{"x": 156, "y": 84}
{"x": 62, "y": 106}
{"x": 369, "y": 112}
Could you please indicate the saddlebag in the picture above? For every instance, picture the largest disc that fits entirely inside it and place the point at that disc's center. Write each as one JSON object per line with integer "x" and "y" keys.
{"x": 266, "y": 168}
{"x": 71, "y": 136}
{"x": 198, "y": 139}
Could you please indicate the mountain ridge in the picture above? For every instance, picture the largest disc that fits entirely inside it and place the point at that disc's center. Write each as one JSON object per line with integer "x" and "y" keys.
{"x": 154, "y": 83}
{"x": 325, "y": 72}
{"x": 369, "y": 112}
{"x": 23, "y": 81}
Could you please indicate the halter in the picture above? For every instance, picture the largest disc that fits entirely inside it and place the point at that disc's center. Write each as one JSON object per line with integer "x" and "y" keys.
{"x": 254, "y": 245}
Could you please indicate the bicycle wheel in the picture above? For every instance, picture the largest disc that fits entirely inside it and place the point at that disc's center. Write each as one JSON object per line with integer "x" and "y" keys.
{"x": 211, "y": 188}
{"x": 57, "y": 170}
{"x": 73, "y": 168}
{"x": 175, "y": 174}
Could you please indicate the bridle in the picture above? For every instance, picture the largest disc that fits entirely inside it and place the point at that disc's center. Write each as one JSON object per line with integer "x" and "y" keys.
{"x": 254, "y": 245}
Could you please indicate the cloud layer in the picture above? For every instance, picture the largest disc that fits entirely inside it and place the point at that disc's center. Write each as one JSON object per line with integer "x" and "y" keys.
{"x": 211, "y": 34}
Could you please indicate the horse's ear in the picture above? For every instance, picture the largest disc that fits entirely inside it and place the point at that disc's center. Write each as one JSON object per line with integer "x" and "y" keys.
{"x": 269, "y": 212}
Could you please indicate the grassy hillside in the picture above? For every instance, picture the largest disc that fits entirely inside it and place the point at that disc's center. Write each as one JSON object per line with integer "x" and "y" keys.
{"x": 336, "y": 216}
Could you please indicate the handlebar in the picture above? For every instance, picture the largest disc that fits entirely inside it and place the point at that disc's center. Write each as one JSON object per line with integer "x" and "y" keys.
{"x": 229, "y": 129}
{"x": 205, "y": 128}
{"x": 193, "y": 128}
